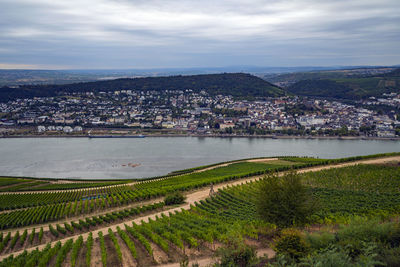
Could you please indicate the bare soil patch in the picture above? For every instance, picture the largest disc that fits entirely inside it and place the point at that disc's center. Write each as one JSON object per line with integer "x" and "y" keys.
{"x": 127, "y": 258}
{"x": 158, "y": 254}
{"x": 112, "y": 257}
{"x": 67, "y": 260}
{"x": 143, "y": 257}
{"x": 96, "y": 254}
{"x": 81, "y": 259}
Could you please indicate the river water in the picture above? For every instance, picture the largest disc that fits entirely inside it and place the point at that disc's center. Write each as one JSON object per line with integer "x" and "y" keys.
{"x": 115, "y": 157}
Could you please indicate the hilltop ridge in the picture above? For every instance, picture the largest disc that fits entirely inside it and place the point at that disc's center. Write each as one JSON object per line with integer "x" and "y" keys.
{"x": 239, "y": 85}
{"x": 351, "y": 88}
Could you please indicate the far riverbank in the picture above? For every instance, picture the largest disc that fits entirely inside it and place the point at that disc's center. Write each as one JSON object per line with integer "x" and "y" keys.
{"x": 310, "y": 137}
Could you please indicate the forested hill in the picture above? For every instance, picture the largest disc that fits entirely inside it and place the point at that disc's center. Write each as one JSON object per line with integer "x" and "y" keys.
{"x": 349, "y": 88}
{"x": 239, "y": 85}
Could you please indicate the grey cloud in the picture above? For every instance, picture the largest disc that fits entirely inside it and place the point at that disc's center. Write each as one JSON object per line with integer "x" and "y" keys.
{"x": 153, "y": 33}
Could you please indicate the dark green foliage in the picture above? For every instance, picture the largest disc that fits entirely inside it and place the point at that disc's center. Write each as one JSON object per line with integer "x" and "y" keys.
{"x": 284, "y": 200}
{"x": 235, "y": 84}
{"x": 61, "y": 229}
{"x": 23, "y": 237}
{"x": 136, "y": 234}
{"x": 63, "y": 252}
{"x": 40, "y": 234}
{"x": 116, "y": 244}
{"x": 89, "y": 246}
{"x": 53, "y": 231}
{"x": 348, "y": 87}
{"x": 390, "y": 256}
{"x": 75, "y": 250}
{"x": 236, "y": 253}
{"x": 50, "y": 253}
{"x": 14, "y": 240}
{"x": 32, "y": 236}
{"x": 321, "y": 88}
{"x": 175, "y": 198}
{"x": 127, "y": 241}
{"x": 361, "y": 243}
{"x": 5, "y": 241}
{"x": 69, "y": 227}
{"x": 103, "y": 249}
{"x": 291, "y": 243}
{"x": 76, "y": 225}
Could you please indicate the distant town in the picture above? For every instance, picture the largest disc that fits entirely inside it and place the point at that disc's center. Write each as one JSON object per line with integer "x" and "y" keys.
{"x": 130, "y": 112}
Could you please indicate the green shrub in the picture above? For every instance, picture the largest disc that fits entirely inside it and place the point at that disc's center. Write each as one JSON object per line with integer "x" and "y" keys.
{"x": 318, "y": 241}
{"x": 291, "y": 243}
{"x": 284, "y": 200}
{"x": 236, "y": 253}
{"x": 175, "y": 198}
{"x": 390, "y": 257}
{"x": 332, "y": 257}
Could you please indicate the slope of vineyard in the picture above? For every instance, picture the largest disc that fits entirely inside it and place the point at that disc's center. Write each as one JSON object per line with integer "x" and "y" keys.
{"x": 370, "y": 191}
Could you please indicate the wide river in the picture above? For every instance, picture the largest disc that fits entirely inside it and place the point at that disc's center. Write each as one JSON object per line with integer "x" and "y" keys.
{"x": 152, "y": 156}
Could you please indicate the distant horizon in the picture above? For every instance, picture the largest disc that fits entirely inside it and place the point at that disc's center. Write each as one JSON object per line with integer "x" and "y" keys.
{"x": 207, "y": 67}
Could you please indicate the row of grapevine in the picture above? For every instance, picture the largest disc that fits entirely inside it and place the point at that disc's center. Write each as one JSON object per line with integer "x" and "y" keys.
{"x": 15, "y": 201}
{"x": 103, "y": 249}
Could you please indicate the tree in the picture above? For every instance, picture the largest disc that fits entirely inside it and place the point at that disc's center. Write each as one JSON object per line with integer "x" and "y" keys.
{"x": 284, "y": 200}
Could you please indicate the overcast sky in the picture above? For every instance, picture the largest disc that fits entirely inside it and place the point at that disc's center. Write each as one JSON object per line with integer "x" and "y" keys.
{"x": 92, "y": 34}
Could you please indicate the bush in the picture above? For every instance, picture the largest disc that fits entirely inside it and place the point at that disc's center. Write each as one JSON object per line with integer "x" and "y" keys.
{"x": 284, "y": 200}
{"x": 236, "y": 253}
{"x": 291, "y": 243}
{"x": 175, "y": 198}
{"x": 390, "y": 257}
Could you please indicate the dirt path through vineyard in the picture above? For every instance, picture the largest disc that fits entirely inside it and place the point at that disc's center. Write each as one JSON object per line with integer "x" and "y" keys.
{"x": 196, "y": 196}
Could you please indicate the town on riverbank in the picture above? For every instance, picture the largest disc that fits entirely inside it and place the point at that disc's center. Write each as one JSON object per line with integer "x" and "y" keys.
{"x": 187, "y": 113}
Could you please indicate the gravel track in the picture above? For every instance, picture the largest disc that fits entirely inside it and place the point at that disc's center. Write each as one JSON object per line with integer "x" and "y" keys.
{"x": 197, "y": 196}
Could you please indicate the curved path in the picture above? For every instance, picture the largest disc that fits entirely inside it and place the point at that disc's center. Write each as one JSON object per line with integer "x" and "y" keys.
{"x": 134, "y": 182}
{"x": 200, "y": 195}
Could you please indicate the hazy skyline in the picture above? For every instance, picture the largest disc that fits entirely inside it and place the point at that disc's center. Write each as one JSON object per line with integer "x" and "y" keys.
{"x": 120, "y": 34}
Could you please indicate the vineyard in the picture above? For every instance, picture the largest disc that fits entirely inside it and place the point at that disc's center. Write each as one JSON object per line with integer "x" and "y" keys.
{"x": 36, "y": 208}
{"x": 34, "y": 185}
{"x": 79, "y": 236}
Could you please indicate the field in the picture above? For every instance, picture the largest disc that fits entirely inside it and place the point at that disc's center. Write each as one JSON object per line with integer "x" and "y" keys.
{"x": 129, "y": 224}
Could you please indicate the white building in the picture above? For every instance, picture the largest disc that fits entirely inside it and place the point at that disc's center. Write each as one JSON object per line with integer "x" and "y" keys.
{"x": 68, "y": 129}
{"x": 78, "y": 129}
{"x": 41, "y": 129}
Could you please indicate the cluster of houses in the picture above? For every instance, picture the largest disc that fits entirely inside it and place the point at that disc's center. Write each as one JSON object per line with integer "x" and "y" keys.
{"x": 65, "y": 129}
{"x": 194, "y": 112}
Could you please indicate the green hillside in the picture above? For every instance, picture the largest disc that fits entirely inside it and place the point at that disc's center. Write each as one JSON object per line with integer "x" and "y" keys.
{"x": 349, "y": 88}
{"x": 239, "y": 85}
